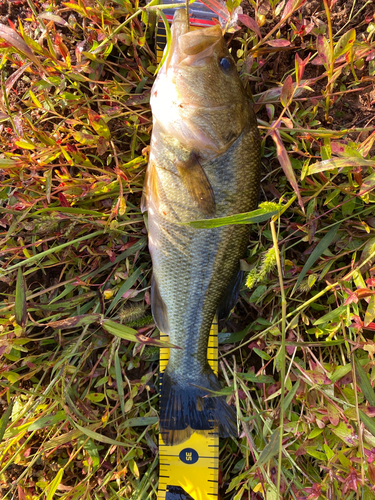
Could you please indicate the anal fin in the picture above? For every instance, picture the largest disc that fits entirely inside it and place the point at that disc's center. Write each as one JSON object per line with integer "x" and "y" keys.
{"x": 230, "y": 295}
{"x": 196, "y": 182}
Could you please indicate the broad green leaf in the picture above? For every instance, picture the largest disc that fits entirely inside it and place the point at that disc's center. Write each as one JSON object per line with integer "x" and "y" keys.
{"x": 20, "y": 307}
{"x": 320, "y": 248}
{"x": 336, "y": 163}
{"x": 23, "y": 144}
{"x": 311, "y": 450}
{"x": 346, "y": 433}
{"x": 262, "y": 354}
{"x": 364, "y": 382}
{"x": 126, "y": 333}
{"x": 344, "y": 44}
{"x": 332, "y": 315}
{"x": 95, "y": 397}
{"x": 314, "y": 433}
{"x": 270, "y": 450}
{"x": 140, "y": 421}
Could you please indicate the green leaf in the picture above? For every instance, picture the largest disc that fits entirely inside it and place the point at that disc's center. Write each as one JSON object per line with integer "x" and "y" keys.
{"x": 20, "y": 307}
{"x": 270, "y": 450}
{"x": 5, "y": 419}
{"x": 119, "y": 382}
{"x": 320, "y": 248}
{"x": 364, "y": 382}
{"x": 344, "y": 44}
{"x": 52, "y": 487}
{"x": 99, "y": 125}
{"x": 99, "y": 437}
{"x": 47, "y": 421}
{"x": 336, "y": 163}
{"x": 289, "y": 397}
{"x": 311, "y": 450}
{"x": 368, "y": 421}
{"x": 125, "y": 287}
{"x": 314, "y": 433}
{"x": 254, "y": 217}
{"x": 57, "y": 248}
{"x": 262, "y": 354}
{"x": 370, "y": 311}
{"x": 332, "y": 315}
{"x": 324, "y": 50}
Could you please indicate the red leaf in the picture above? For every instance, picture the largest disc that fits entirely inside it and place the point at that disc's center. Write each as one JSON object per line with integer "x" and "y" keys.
{"x": 250, "y": 23}
{"x": 63, "y": 201}
{"x": 291, "y": 6}
{"x": 286, "y": 95}
{"x": 279, "y": 43}
{"x": 300, "y": 66}
{"x": 324, "y": 50}
{"x": 284, "y": 160}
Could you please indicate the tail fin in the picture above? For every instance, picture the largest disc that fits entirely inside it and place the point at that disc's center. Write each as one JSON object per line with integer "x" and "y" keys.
{"x": 185, "y": 407}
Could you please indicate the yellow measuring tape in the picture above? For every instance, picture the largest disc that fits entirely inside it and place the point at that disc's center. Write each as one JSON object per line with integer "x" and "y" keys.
{"x": 190, "y": 470}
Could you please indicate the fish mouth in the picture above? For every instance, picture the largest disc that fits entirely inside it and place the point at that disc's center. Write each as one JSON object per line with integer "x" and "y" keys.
{"x": 191, "y": 48}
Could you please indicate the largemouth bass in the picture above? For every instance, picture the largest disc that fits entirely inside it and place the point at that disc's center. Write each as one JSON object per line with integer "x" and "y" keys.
{"x": 204, "y": 163}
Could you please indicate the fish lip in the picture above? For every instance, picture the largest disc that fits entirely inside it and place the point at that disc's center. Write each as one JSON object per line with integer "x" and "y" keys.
{"x": 186, "y": 51}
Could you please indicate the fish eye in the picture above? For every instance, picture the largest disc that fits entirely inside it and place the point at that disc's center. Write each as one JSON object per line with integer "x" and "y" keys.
{"x": 225, "y": 63}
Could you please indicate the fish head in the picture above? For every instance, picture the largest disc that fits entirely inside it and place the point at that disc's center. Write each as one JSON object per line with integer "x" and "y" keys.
{"x": 198, "y": 97}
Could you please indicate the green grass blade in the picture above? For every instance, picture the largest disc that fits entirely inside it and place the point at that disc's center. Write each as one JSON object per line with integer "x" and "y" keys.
{"x": 20, "y": 307}
{"x": 316, "y": 253}
{"x": 41, "y": 255}
{"x": 125, "y": 287}
{"x": 368, "y": 421}
{"x": 119, "y": 382}
{"x": 364, "y": 382}
{"x": 54, "y": 485}
{"x": 5, "y": 419}
{"x": 254, "y": 217}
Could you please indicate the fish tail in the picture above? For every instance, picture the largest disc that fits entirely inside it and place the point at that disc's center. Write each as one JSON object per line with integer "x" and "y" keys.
{"x": 187, "y": 407}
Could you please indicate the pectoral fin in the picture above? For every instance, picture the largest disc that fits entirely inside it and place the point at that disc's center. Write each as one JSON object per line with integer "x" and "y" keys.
{"x": 196, "y": 182}
{"x": 158, "y": 308}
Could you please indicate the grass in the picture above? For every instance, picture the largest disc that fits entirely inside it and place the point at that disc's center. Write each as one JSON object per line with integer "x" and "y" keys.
{"x": 79, "y": 350}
